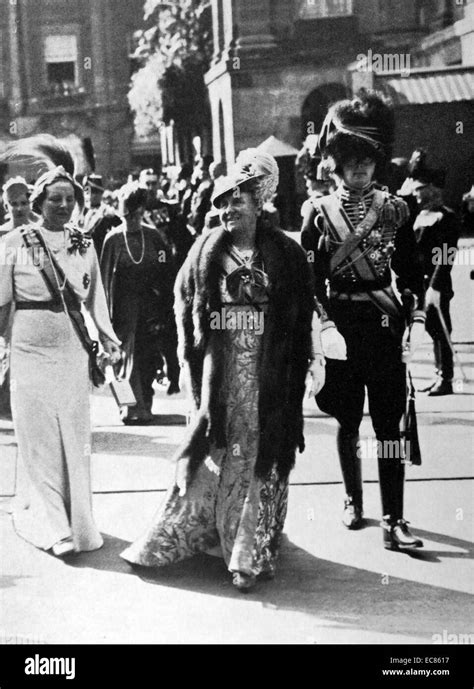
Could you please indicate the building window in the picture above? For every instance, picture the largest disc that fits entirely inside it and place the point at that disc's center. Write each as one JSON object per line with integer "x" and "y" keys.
{"x": 322, "y": 9}
{"x": 61, "y": 57}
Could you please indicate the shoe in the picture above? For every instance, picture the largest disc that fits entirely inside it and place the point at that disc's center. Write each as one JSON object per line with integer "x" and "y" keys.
{"x": 63, "y": 547}
{"x": 397, "y": 535}
{"x": 173, "y": 389}
{"x": 161, "y": 378}
{"x": 137, "y": 420}
{"x": 243, "y": 582}
{"x": 352, "y": 517}
{"x": 442, "y": 387}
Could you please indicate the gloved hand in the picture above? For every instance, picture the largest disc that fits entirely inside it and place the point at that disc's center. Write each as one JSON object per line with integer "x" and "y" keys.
{"x": 334, "y": 345}
{"x": 113, "y": 350}
{"x": 316, "y": 376}
{"x": 181, "y": 476}
{"x": 432, "y": 297}
{"x": 412, "y": 339}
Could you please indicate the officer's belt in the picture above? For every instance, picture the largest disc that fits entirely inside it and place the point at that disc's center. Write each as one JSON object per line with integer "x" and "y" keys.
{"x": 52, "y": 305}
{"x": 353, "y": 296}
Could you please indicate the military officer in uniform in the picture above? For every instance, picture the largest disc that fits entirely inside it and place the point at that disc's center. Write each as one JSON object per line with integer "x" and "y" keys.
{"x": 361, "y": 232}
{"x": 437, "y": 231}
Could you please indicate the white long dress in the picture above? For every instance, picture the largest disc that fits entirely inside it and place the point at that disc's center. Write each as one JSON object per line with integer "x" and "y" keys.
{"x": 50, "y": 390}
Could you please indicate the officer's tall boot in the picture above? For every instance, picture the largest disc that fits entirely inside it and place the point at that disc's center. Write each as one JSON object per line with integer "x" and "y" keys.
{"x": 396, "y": 534}
{"x": 444, "y": 366}
{"x": 349, "y": 457}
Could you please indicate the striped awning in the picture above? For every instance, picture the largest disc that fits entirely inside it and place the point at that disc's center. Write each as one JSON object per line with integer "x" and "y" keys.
{"x": 422, "y": 89}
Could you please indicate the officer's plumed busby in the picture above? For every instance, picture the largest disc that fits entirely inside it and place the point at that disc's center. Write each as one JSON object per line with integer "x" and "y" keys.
{"x": 358, "y": 128}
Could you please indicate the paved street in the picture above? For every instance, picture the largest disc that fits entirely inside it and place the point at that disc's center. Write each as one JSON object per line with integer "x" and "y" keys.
{"x": 333, "y": 586}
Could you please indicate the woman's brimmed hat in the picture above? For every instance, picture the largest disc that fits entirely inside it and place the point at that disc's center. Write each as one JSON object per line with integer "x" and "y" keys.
{"x": 422, "y": 174}
{"x": 253, "y": 168}
{"x": 16, "y": 182}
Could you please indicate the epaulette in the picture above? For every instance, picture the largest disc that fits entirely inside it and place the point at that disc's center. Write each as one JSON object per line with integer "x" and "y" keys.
{"x": 395, "y": 211}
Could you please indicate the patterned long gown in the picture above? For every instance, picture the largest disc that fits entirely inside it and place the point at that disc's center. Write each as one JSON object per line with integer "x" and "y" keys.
{"x": 226, "y": 504}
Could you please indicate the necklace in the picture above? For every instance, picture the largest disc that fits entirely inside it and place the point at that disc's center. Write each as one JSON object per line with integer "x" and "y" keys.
{"x": 63, "y": 285}
{"x": 60, "y": 287}
{"x": 137, "y": 263}
{"x": 246, "y": 254}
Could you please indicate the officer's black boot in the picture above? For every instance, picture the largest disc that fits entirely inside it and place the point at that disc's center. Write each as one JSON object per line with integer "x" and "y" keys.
{"x": 445, "y": 367}
{"x": 396, "y": 534}
{"x": 444, "y": 364}
{"x": 349, "y": 457}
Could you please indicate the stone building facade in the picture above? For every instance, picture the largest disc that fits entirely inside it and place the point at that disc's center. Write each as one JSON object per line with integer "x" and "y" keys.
{"x": 278, "y": 64}
{"x": 65, "y": 69}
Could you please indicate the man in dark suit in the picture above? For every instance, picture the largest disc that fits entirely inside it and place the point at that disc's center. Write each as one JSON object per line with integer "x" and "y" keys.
{"x": 98, "y": 218}
{"x": 437, "y": 231}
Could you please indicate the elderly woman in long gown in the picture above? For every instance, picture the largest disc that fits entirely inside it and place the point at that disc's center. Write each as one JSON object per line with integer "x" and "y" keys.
{"x": 244, "y": 307}
{"x": 50, "y": 382}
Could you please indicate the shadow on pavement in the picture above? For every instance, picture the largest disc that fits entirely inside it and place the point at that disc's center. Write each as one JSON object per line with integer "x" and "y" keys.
{"x": 439, "y": 421}
{"x": 8, "y": 581}
{"x": 106, "y": 559}
{"x": 116, "y": 444}
{"x": 341, "y": 595}
{"x": 436, "y": 555}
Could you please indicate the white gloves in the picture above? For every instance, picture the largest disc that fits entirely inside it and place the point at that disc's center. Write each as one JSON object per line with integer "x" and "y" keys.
{"x": 316, "y": 376}
{"x": 412, "y": 339}
{"x": 334, "y": 345}
{"x": 181, "y": 477}
{"x": 432, "y": 297}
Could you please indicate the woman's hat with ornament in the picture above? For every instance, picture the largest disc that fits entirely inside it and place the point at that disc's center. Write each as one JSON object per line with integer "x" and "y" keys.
{"x": 253, "y": 170}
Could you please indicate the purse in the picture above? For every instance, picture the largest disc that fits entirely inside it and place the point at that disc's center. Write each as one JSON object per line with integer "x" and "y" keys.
{"x": 409, "y": 431}
{"x": 122, "y": 392}
{"x": 71, "y": 303}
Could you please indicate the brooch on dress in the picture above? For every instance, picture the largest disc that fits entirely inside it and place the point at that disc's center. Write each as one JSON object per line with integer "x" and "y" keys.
{"x": 78, "y": 242}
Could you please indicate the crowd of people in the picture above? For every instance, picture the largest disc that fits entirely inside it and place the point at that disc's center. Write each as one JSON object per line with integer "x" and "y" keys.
{"x": 190, "y": 278}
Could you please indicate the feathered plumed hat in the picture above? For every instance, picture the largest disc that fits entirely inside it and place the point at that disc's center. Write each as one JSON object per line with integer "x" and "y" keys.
{"x": 361, "y": 127}
{"x": 45, "y": 150}
{"x": 252, "y": 167}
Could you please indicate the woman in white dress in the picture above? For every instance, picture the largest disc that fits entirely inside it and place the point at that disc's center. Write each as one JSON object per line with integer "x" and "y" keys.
{"x": 50, "y": 381}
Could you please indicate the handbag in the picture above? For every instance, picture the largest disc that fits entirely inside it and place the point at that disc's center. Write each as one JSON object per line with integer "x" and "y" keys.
{"x": 121, "y": 390}
{"x": 409, "y": 431}
{"x": 70, "y": 301}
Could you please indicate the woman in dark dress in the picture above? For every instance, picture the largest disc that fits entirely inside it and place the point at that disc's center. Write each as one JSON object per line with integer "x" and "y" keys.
{"x": 139, "y": 273}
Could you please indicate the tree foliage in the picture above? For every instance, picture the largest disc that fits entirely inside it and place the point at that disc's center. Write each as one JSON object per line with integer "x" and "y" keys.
{"x": 173, "y": 55}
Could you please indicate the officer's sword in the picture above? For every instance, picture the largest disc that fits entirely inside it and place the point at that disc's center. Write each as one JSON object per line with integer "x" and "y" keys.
{"x": 448, "y": 339}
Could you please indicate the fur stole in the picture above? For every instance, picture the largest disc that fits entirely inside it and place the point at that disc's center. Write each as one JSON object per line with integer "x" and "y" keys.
{"x": 284, "y": 354}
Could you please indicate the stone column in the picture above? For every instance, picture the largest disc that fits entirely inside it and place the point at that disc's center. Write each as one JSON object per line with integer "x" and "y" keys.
{"x": 253, "y": 22}
{"x": 465, "y": 30}
{"x": 98, "y": 50}
{"x": 16, "y": 101}
{"x": 216, "y": 6}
